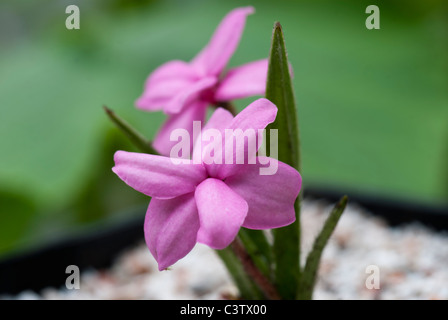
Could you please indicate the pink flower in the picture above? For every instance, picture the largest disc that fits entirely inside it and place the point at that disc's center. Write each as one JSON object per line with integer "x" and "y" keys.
{"x": 184, "y": 90}
{"x": 209, "y": 203}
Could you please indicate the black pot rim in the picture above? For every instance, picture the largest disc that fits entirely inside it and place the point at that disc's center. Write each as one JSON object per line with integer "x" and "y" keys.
{"x": 45, "y": 267}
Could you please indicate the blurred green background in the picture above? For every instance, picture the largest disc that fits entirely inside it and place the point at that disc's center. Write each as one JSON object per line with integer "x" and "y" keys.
{"x": 372, "y": 104}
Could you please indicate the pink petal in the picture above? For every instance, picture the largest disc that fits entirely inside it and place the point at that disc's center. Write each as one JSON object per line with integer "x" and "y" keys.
{"x": 214, "y": 57}
{"x": 254, "y": 117}
{"x": 219, "y": 120}
{"x": 221, "y": 213}
{"x": 157, "y": 176}
{"x": 189, "y": 94}
{"x": 270, "y": 197}
{"x": 183, "y": 120}
{"x": 165, "y": 83}
{"x": 244, "y": 81}
{"x": 171, "y": 228}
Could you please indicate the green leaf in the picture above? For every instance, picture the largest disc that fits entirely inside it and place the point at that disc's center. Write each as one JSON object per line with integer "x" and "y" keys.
{"x": 279, "y": 90}
{"x": 136, "y": 138}
{"x": 287, "y": 257}
{"x": 17, "y": 216}
{"x": 308, "y": 278}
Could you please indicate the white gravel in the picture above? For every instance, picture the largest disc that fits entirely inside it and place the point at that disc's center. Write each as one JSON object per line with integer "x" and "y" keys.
{"x": 412, "y": 262}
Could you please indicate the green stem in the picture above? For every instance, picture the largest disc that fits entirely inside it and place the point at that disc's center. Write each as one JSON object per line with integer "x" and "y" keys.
{"x": 247, "y": 288}
{"x": 251, "y": 269}
{"x": 309, "y": 274}
{"x": 259, "y": 249}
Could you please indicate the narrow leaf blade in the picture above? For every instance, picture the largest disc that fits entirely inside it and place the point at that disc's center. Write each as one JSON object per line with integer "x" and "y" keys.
{"x": 312, "y": 262}
{"x": 279, "y": 91}
{"x": 134, "y": 136}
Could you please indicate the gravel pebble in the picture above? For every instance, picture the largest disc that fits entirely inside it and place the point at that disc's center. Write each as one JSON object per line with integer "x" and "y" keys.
{"x": 411, "y": 260}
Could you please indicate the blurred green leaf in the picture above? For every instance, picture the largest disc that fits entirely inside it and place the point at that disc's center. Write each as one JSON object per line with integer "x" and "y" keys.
{"x": 104, "y": 194}
{"x": 16, "y": 217}
{"x": 383, "y": 92}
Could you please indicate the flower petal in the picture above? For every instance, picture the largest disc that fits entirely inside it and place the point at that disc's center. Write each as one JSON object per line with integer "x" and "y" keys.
{"x": 214, "y": 57}
{"x": 254, "y": 117}
{"x": 165, "y": 83}
{"x": 221, "y": 213}
{"x": 171, "y": 227}
{"x": 157, "y": 176}
{"x": 270, "y": 197}
{"x": 188, "y": 94}
{"x": 219, "y": 120}
{"x": 183, "y": 120}
{"x": 244, "y": 81}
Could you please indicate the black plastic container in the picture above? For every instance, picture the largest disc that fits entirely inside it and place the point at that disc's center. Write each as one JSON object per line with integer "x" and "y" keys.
{"x": 46, "y": 266}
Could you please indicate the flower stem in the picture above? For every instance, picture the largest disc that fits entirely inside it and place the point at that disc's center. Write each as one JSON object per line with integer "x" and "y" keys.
{"x": 259, "y": 249}
{"x": 248, "y": 289}
{"x": 257, "y": 276}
